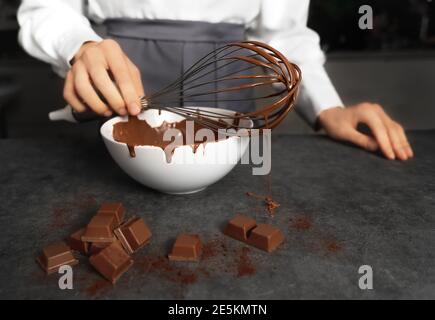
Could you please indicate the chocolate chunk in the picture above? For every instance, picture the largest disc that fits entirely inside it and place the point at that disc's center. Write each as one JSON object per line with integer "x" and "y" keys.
{"x": 100, "y": 229}
{"x": 96, "y": 247}
{"x": 265, "y": 237}
{"x": 239, "y": 227}
{"x": 133, "y": 234}
{"x": 113, "y": 208}
{"x": 54, "y": 256}
{"x": 262, "y": 236}
{"x": 187, "y": 247}
{"x": 75, "y": 242}
{"x": 112, "y": 261}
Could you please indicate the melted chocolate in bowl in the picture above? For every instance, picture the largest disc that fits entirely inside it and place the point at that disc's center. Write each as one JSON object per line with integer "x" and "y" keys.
{"x": 136, "y": 132}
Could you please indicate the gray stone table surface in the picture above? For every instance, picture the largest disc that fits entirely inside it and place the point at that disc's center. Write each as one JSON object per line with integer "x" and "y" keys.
{"x": 341, "y": 208}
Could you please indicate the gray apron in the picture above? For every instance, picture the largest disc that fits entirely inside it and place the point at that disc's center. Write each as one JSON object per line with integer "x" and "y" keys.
{"x": 164, "y": 49}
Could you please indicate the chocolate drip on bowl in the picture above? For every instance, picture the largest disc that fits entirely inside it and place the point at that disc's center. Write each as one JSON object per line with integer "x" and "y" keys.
{"x": 136, "y": 132}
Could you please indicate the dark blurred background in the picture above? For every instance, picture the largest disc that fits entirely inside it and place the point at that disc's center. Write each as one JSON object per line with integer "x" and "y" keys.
{"x": 393, "y": 64}
{"x": 398, "y": 25}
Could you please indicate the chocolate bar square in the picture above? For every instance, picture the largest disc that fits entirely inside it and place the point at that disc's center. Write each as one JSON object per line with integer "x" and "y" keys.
{"x": 112, "y": 262}
{"x": 187, "y": 247}
{"x": 266, "y": 237}
{"x": 239, "y": 227}
{"x": 100, "y": 229}
{"x": 54, "y": 256}
{"x": 96, "y": 247}
{"x": 75, "y": 242}
{"x": 133, "y": 234}
{"x": 113, "y": 208}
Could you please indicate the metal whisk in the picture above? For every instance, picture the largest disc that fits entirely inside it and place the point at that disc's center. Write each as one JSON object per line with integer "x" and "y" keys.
{"x": 194, "y": 86}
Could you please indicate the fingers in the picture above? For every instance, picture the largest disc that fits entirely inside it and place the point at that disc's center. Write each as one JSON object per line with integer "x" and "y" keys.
{"x": 362, "y": 140}
{"x": 379, "y": 130}
{"x": 97, "y": 70}
{"x": 398, "y": 139}
{"x": 389, "y": 134}
{"x": 86, "y": 91}
{"x": 120, "y": 70}
{"x": 403, "y": 141}
{"x": 70, "y": 95}
{"x": 89, "y": 84}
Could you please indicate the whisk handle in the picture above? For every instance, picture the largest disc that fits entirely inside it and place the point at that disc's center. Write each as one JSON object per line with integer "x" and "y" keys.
{"x": 68, "y": 114}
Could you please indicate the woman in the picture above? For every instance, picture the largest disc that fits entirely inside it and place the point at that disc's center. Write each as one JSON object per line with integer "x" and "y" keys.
{"x": 150, "y": 41}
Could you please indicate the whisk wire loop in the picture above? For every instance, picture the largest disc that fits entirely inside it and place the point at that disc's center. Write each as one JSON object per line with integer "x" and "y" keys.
{"x": 207, "y": 81}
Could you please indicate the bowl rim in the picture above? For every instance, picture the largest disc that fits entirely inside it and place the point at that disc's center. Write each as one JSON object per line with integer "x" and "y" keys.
{"x": 118, "y": 118}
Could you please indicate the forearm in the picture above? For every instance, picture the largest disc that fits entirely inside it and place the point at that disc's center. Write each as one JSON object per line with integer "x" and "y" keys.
{"x": 53, "y": 31}
{"x": 317, "y": 94}
{"x": 284, "y": 26}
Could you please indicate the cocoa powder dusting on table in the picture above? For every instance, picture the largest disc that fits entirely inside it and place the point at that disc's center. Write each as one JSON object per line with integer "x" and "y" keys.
{"x": 59, "y": 218}
{"x": 271, "y": 204}
{"x": 245, "y": 266}
{"x": 98, "y": 287}
{"x": 219, "y": 259}
{"x": 62, "y": 211}
{"x": 333, "y": 247}
{"x": 211, "y": 249}
{"x": 216, "y": 260}
{"x": 301, "y": 223}
{"x": 165, "y": 269}
{"x": 84, "y": 201}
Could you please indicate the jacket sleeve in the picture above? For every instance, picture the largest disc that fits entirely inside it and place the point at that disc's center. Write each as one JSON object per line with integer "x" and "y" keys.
{"x": 283, "y": 24}
{"x": 54, "y": 30}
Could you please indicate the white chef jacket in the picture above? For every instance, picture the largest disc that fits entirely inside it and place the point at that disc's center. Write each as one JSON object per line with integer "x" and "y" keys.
{"x": 53, "y": 31}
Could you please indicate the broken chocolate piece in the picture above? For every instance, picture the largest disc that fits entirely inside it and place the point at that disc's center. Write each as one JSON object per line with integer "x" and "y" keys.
{"x": 100, "y": 229}
{"x": 133, "y": 234}
{"x": 112, "y": 261}
{"x": 239, "y": 227}
{"x": 266, "y": 237}
{"x": 262, "y": 236}
{"x": 54, "y": 256}
{"x": 113, "y": 208}
{"x": 187, "y": 247}
{"x": 75, "y": 242}
{"x": 96, "y": 247}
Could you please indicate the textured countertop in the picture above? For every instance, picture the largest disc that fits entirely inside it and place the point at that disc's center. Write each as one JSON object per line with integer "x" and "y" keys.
{"x": 340, "y": 208}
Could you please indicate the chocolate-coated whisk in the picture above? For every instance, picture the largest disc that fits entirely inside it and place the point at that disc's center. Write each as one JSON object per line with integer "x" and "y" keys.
{"x": 194, "y": 86}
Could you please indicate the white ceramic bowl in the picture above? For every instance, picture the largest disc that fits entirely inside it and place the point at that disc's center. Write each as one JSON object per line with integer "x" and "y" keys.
{"x": 188, "y": 171}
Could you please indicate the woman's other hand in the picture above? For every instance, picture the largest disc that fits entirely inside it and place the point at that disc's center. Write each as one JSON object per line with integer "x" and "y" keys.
{"x": 388, "y": 135}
